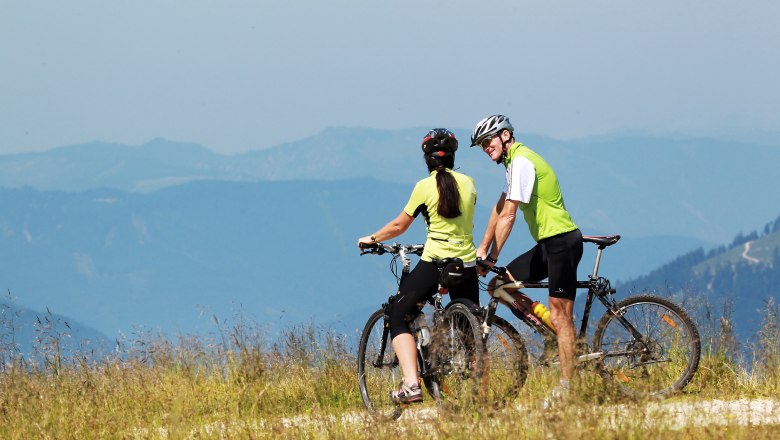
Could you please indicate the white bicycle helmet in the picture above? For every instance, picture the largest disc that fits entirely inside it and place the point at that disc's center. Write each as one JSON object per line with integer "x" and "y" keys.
{"x": 489, "y": 127}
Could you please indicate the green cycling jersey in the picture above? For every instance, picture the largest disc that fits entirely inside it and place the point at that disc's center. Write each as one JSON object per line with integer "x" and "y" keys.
{"x": 545, "y": 213}
{"x": 447, "y": 237}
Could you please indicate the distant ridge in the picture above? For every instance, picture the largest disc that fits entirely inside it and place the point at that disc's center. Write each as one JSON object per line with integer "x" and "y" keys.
{"x": 23, "y": 331}
{"x": 634, "y": 184}
{"x": 744, "y": 274}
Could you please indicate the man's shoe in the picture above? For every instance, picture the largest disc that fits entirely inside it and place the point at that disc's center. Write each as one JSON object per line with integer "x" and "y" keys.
{"x": 406, "y": 394}
{"x": 557, "y": 396}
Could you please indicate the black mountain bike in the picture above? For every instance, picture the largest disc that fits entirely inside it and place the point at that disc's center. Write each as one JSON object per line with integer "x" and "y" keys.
{"x": 449, "y": 347}
{"x": 646, "y": 344}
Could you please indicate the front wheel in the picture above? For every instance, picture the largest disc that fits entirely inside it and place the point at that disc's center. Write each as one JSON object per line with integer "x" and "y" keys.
{"x": 657, "y": 359}
{"x": 378, "y": 370}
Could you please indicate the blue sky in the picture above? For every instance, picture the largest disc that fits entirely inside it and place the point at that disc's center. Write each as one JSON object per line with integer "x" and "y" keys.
{"x": 241, "y": 75}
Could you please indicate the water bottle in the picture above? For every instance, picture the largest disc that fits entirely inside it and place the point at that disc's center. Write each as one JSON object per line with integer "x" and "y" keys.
{"x": 543, "y": 314}
{"x": 424, "y": 333}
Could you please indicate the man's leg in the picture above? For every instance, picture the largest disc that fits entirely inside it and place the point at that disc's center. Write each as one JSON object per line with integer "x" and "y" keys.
{"x": 563, "y": 253}
{"x": 561, "y": 313}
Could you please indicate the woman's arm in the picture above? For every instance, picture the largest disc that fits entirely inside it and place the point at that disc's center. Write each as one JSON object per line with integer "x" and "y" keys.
{"x": 396, "y": 227}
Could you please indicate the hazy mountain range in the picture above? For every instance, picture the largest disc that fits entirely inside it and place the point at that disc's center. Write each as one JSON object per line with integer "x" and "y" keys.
{"x": 167, "y": 235}
{"x": 636, "y": 185}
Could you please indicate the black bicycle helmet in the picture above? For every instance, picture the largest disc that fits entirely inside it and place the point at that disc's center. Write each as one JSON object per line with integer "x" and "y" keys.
{"x": 439, "y": 139}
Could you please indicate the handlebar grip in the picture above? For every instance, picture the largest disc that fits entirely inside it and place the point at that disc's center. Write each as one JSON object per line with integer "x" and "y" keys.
{"x": 368, "y": 245}
{"x": 498, "y": 270}
{"x": 495, "y": 269}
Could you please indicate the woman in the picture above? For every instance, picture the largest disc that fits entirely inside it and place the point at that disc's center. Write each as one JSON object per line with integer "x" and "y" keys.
{"x": 446, "y": 200}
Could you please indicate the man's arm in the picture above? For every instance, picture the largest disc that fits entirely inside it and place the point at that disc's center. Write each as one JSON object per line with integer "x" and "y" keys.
{"x": 490, "y": 230}
{"x": 521, "y": 178}
{"x": 503, "y": 227}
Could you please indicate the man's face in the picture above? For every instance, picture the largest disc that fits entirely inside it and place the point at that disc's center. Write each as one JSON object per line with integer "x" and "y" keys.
{"x": 492, "y": 147}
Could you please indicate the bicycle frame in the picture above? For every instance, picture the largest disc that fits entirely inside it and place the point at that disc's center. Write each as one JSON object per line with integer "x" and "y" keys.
{"x": 598, "y": 287}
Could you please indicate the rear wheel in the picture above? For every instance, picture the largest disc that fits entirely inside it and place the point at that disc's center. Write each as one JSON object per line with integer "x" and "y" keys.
{"x": 456, "y": 351}
{"x": 378, "y": 370}
{"x": 658, "y": 363}
{"x": 505, "y": 363}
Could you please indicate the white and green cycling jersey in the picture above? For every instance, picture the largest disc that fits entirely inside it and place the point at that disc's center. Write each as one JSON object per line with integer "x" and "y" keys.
{"x": 447, "y": 237}
{"x": 533, "y": 183}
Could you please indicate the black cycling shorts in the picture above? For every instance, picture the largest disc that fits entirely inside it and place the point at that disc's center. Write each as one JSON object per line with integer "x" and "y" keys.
{"x": 556, "y": 258}
{"x": 421, "y": 284}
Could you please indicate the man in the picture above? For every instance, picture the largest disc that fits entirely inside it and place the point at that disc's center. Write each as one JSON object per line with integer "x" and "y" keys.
{"x": 532, "y": 187}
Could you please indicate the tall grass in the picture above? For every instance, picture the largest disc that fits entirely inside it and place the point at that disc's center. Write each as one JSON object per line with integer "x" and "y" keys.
{"x": 238, "y": 384}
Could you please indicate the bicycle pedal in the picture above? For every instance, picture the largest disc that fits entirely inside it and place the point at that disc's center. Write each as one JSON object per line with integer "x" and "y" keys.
{"x": 590, "y": 356}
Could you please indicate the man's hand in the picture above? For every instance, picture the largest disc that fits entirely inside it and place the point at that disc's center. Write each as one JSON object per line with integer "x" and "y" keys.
{"x": 483, "y": 266}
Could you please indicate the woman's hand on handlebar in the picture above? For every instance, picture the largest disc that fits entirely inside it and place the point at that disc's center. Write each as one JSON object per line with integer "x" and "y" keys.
{"x": 366, "y": 242}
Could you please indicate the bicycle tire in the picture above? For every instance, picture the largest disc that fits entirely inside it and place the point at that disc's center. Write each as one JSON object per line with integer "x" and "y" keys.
{"x": 457, "y": 358}
{"x": 376, "y": 377}
{"x": 505, "y": 365}
{"x": 665, "y": 363}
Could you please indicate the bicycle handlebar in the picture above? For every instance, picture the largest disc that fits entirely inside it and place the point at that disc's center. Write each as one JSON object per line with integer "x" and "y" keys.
{"x": 498, "y": 270}
{"x": 395, "y": 248}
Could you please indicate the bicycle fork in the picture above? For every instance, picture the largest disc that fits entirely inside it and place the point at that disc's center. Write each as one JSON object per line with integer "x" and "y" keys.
{"x": 487, "y": 320}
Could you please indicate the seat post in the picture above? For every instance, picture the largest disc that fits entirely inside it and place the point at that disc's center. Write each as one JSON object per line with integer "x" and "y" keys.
{"x": 598, "y": 261}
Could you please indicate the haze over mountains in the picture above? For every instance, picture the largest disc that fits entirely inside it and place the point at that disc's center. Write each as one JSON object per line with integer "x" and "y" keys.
{"x": 638, "y": 185}
{"x": 167, "y": 235}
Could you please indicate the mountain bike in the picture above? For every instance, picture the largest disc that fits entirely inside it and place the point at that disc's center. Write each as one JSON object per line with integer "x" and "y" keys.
{"x": 449, "y": 346}
{"x": 646, "y": 344}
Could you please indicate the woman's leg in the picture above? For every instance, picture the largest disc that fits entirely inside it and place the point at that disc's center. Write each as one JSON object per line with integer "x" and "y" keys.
{"x": 418, "y": 286}
{"x": 406, "y": 350}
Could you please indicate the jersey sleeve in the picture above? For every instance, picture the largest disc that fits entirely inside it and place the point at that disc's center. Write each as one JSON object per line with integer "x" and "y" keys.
{"x": 520, "y": 180}
{"x": 416, "y": 202}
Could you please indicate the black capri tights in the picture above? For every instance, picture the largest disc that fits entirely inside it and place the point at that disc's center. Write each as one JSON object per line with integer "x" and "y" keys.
{"x": 421, "y": 284}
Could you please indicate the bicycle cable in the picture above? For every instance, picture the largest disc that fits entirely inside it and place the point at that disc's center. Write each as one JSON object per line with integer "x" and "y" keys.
{"x": 483, "y": 285}
{"x": 394, "y": 269}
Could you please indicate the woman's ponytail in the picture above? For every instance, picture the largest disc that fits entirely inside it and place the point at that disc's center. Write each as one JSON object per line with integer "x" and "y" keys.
{"x": 449, "y": 196}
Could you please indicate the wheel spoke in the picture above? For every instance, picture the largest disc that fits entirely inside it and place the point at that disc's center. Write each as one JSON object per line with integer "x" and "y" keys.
{"x": 505, "y": 364}
{"x": 663, "y": 360}
{"x": 378, "y": 370}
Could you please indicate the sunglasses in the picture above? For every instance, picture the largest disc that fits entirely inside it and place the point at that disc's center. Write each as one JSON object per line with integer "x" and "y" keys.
{"x": 485, "y": 142}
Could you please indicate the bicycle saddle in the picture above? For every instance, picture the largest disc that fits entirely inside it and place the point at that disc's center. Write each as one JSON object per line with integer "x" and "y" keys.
{"x": 603, "y": 242}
